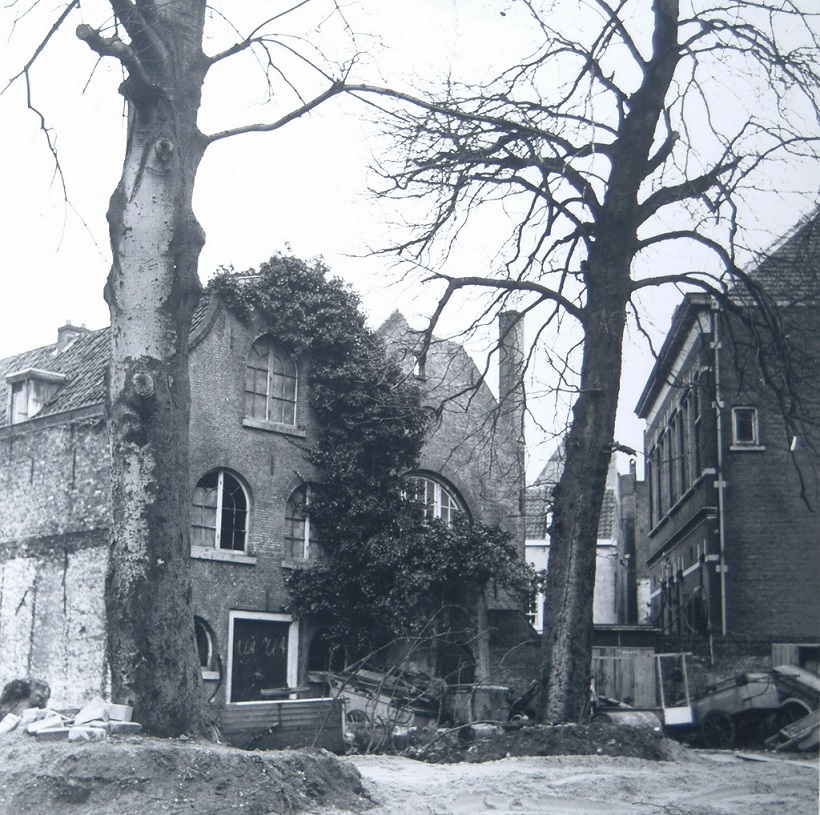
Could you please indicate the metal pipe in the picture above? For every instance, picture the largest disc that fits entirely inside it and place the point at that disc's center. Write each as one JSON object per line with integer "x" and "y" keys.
{"x": 715, "y": 306}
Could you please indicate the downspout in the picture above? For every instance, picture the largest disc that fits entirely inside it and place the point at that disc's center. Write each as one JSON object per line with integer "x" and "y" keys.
{"x": 721, "y": 484}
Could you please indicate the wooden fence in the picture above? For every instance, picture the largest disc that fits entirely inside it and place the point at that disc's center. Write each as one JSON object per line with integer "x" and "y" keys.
{"x": 285, "y": 723}
{"x": 625, "y": 674}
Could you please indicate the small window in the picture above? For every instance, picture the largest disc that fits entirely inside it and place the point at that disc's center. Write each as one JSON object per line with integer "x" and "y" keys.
{"x": 205, "y": 645}
{"x": 271, "y": 382}
{"x": 744, "y": 427}
{"x": 220, "y": 512}
{"x": 438, "y": 500}
{"x": 301, "y": 539}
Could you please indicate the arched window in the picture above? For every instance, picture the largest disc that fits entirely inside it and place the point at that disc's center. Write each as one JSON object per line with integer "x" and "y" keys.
{"x": 439, "y": 500}
{"x": 206, "y": 647}
{"x": 301, "y": 538}
{"x": 271, "y": 381}
{"x": 219, "y": 516}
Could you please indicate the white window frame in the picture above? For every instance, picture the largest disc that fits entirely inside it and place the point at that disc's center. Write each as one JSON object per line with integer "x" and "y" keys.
{"x": 215, "y": 551}
{"x": 208, "y": 673}
{"x": 293, "y": 650}
{"x": 455, "y": 504}
{"x": 306, "y": 531}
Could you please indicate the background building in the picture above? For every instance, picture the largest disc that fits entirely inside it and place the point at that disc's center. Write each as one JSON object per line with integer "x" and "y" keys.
{"x": 731, "y": 447}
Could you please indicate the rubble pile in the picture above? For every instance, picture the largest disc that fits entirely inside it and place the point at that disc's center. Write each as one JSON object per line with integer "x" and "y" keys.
{"x": 24, "y": 707}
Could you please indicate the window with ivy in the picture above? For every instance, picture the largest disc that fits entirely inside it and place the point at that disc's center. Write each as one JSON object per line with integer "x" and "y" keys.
{"x": 271, "y": 383}
{"x": 439, "y": 500}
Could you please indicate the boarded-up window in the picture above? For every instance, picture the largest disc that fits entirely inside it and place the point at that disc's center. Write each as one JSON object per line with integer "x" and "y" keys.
{"x": 260, "y": 652}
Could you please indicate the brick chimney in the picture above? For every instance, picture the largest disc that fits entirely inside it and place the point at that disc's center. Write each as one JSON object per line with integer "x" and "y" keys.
{"x": 511, "y": 405}
{"x": 66, "y": 334}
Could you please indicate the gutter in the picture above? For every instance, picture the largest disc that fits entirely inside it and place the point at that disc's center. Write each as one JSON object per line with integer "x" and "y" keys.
{"x": 720, "y": 483}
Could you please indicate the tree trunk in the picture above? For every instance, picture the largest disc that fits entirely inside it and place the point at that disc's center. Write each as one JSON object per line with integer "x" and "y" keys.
{"x": 152, "y": 291}
{"x": 577, "y": 508}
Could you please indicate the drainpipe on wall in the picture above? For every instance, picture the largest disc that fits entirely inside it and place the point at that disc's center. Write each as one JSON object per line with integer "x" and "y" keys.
{"x": 721, "y": 484}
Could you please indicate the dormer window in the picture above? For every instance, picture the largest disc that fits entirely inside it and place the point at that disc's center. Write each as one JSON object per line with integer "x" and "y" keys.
{"x": 29, "y": 391}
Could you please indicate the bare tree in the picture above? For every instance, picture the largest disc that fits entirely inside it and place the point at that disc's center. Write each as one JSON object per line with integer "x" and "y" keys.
{"x": 648, "y": 134}
{"x": 152, "y": 291}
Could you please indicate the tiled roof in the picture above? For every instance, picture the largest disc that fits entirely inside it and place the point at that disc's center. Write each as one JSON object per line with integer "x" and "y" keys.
{"x": 538, "y": 505}
{"x": 83, "y": 363}
{"x": 790, "y": 271}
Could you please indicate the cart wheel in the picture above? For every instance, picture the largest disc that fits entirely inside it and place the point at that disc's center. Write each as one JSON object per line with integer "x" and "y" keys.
{"x": 717, "y": 730}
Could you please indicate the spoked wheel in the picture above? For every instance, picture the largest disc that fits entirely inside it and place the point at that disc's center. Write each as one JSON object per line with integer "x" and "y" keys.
{"x": 717, "y": 730}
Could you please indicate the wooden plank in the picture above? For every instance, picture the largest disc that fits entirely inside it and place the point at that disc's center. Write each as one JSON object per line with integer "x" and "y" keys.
{"x": 287, "y": 723}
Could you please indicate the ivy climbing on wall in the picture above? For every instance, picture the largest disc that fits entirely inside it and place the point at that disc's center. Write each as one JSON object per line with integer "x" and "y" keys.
{"x": 387, "y": 572}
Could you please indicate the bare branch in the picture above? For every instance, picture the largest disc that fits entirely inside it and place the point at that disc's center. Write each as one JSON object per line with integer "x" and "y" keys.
{"x": 266, "y": 127}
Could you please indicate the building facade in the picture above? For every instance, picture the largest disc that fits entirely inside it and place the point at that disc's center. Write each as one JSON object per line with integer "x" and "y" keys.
{"x": 732, "y": 459}
{"x": 620, "y": 594}
{"x": 251, "y": 481}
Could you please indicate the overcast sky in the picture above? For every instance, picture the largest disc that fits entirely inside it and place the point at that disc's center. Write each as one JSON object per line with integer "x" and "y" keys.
{"x": 304, "y": 187}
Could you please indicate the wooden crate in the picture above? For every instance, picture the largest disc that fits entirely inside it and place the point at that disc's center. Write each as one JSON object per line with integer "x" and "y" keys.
{"x": 284, "y": 723}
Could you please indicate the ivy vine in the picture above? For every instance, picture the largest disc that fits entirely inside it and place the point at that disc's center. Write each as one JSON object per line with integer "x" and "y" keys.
{"x": 387, "y": 571}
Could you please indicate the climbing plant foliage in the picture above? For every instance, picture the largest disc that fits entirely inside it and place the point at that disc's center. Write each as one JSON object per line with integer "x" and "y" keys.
{"x": 387, "y": 571}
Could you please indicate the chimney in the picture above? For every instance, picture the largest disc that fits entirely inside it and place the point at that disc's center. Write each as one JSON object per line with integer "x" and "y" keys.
{"x": 511, "y": 404}
{"x": 66, "y": 334}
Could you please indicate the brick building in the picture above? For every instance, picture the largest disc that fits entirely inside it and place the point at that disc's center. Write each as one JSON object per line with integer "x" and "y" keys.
{"x": 734, "y": 543}
{"x": 250, "y": 489}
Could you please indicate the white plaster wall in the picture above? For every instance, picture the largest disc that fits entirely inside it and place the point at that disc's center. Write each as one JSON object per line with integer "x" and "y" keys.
{"x": 17, "y": 580}
{"x": 52, "y": 624}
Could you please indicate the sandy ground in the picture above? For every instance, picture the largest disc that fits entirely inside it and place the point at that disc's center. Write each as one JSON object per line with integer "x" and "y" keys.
{"x": 703, "y": 783}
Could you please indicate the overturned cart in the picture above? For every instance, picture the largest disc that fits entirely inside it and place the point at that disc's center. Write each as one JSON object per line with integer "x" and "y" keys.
{"x": 413, "y": 698}
{"x": 762, "y": 702}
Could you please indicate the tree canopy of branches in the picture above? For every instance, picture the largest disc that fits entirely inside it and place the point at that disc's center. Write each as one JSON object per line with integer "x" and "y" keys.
{"x": 636, "y": 133}
{"x": 152, "y": 290}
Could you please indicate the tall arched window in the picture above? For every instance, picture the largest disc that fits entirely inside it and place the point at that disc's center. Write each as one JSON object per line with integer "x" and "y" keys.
{"x": 271, "y": 381}
{"x": 439, "y": 500}
{"x": 301, "y": 539}
{"x": 219, "y": 515}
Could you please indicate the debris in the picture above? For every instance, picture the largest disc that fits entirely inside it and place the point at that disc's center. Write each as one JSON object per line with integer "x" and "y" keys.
{"x": 50, "y": 721}
{"x": 85, "y": 733}
{"x": 20, "y": 694}
{"x": 9, "y": 722}
{"x": 95, "y": 721}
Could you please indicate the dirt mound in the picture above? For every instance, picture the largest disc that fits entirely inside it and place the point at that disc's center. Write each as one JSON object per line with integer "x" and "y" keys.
{"x": 162, "y": 777}
{"x": 490, "y": 742}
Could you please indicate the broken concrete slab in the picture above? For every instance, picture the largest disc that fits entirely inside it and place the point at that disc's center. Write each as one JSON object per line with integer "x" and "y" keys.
{"x": 96, "y": 709}
{"x": 9, "y": 722}
{"x": 86, "y": 733}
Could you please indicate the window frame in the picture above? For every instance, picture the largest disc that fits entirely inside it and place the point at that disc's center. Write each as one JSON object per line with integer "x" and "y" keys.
{"x": 209, "y": 668}
{"x": 278, "y": 384}
{"x": 292, "y": 657}
{"x": 434, "y": 510}
{"x": 753, "y": 443}
{"x": 215, "y": 550}
{"x": 310, "y": 543}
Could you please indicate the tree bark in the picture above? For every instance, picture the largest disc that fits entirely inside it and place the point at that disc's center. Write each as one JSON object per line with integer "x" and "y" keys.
{"x": 152, "y": 290}
{"x": 576, "y": 511}
{"x": 568, "y": 617}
